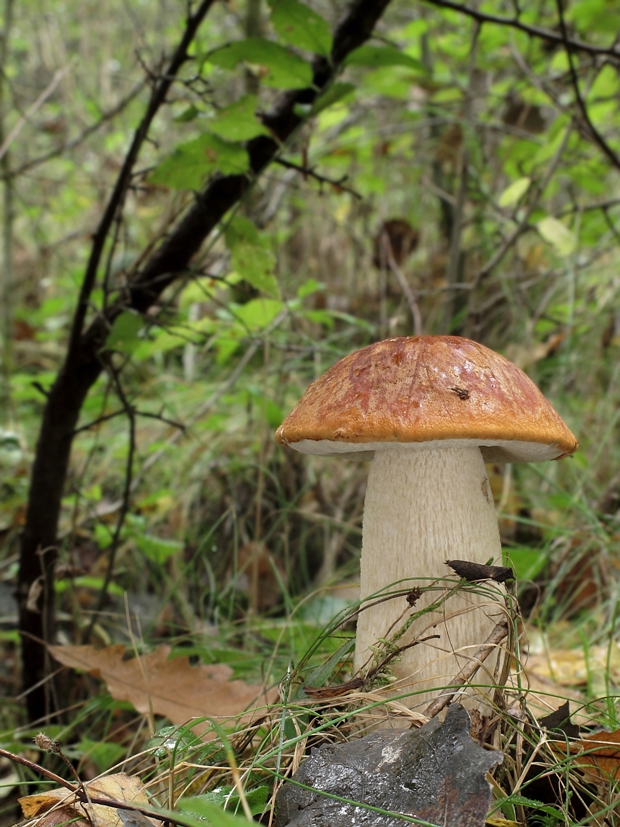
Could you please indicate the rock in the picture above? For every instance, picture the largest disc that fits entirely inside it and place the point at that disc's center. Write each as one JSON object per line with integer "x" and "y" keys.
{"x": 436, "y": 774}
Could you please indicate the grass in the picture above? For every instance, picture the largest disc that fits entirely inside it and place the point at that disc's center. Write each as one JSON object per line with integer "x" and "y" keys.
{"x": 544, "y": 778}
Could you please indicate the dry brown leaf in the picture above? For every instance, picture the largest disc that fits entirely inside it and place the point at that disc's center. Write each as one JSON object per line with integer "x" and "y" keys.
{"x": 60, "y": 806}
{"x": 598, "y": 756}
{"x": 173, "y": 688}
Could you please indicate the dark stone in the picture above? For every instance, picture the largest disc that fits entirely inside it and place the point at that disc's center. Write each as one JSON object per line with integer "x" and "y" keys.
{"x": 435, "y": 774}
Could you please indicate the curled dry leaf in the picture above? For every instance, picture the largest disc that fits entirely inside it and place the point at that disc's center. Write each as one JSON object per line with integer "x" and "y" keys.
{"x": 60, "y": 806}
{"x": 478, "y": 571}
{"x": 34, "y": 593}
{"x": 174, "y": 688}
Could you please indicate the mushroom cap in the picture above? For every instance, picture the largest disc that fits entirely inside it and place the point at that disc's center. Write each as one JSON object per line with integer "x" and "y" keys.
{"x": 427, "y": 392}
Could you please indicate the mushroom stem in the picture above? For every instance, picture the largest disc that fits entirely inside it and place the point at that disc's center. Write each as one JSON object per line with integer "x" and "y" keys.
{"x": 423, "y": 507}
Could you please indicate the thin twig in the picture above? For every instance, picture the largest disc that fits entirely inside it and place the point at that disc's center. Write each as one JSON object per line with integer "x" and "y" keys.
{"x": 130, "y": 412}
{"x": 477, "y": 659}
{"x": 414, "y": 307}
{"x": 58, "y": 76}
{"x": 533, "y": 31}
{"x": 147, "y": 414}
{"x": 596, "y": 135}
{"x": 398, "y": 651}
{"x": 338, "y": 184}
{"x": 523, "y": 225}
{"x": 455, "y": 255}
{"x": 88, "y": 798}
{"x": 79, "y": 139}
{"x": 33, "y": 767}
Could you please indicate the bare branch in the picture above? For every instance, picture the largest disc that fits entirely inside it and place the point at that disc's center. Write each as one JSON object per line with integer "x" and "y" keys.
{"x": 595, "y": 134}
{"x": 58, "y": 76}
{"x": 477, "y": 659}
{"x": 83, "y": 136}
{"x": 338, "y": 184}
{"x": 533, "y": 31}
{"x": 130, "y": 413}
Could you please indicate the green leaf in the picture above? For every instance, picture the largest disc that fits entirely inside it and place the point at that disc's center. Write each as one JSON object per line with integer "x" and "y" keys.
{"x": 103, "y": 754}
{"x": 321, "y": 675}
{"x": 285, "y": 70}
{"x": 522, "y": 801}
{"x": 309, "y": 287}
{"x": 513, "y": 193}
{"x": 124, "y": 333}
{"x": 191, "y": 162}
{"x": 558, "y": 235}
{"x": 251, "y": 256}
{"x": 172, "y": 742}
{"x": 258, "y": 313}
{"x": 377, "y": 56}
{"x": 187, "y": 115}
{"x": 335, "y": 93}
{"x": 323, "y": 317}
{"x": 226, "y": 796}
{"x": 207, "y": 811}
{"x": 527, "y": 563}
{"x": 157, "y": 549}
{"x": 273, "y": 413}
{"x": 301, "y": 26}
{"x": 238, "y": 122}
{"x": 103, "y": 535}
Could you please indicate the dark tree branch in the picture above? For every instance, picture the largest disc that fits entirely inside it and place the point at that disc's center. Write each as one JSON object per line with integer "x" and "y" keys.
{"x": 338, "y": 184}
{"x": 591, "y": 129}
{"x": 533, "y": 31}
{"x": 122, "y": 412}
{"x": 84, "y": 361}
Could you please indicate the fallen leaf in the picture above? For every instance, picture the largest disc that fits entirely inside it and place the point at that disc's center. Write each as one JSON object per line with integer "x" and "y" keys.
{"x": 60, "y": 805}
{"x": 173, "y": 688}
{"x": 560, "y": 721}
{"x": 545, "y": 696}
{"x": 571, "y": 667}
{"x": 598, "y": 755}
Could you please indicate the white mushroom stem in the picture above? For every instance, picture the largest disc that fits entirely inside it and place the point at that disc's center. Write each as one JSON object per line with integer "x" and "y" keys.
{"x": 424, "y": 507}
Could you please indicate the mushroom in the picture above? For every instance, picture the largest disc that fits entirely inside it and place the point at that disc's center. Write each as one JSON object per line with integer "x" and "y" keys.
{"x": 429, "y": 411}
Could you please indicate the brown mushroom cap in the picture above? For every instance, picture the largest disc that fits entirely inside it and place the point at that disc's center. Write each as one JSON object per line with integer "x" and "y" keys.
{"x": 427, "y": 391}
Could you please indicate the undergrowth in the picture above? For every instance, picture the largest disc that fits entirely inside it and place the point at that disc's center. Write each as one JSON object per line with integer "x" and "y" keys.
{"x": 550, "y": 775}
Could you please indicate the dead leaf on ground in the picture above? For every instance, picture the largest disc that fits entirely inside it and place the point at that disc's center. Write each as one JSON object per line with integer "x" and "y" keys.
{"x": 173, "y": 688}
{"x": 571, "y": 667}
{"x": 598, "y": 755}
{"x": 59, "y": 806}
{"x": 544, "y": 696}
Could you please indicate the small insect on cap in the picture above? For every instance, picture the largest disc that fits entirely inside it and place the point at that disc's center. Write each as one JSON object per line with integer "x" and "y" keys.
{"x": 427, "y": 392}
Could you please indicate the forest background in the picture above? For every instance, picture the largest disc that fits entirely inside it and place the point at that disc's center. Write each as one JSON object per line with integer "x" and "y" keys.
{"x": 206, "y": 205}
